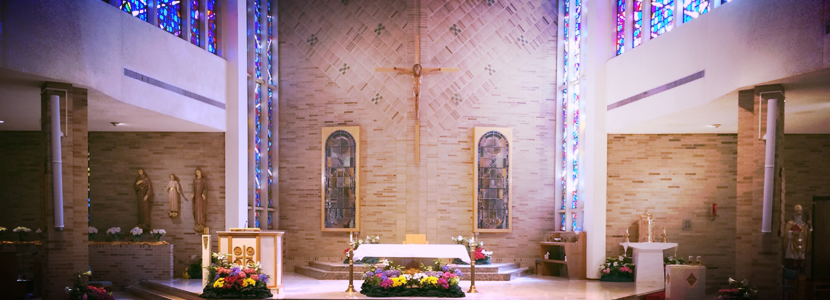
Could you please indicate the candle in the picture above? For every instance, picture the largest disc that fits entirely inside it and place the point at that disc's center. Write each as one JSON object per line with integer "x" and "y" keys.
{"x": 351, "y": 237}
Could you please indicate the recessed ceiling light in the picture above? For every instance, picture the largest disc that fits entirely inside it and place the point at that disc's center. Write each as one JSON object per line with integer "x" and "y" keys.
{"x": 116, "y": 123}
{"x": 714, "y": 125}
{"x": 1, "y": 122}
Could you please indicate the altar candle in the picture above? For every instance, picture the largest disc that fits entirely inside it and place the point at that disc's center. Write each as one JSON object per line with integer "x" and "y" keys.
{"x": 351, "y": 237}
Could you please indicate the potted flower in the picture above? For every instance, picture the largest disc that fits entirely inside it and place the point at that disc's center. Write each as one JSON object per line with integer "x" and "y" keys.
{"x": 356, "y": 243}
{"x": 114, "y": 233}
{"x": 234, "y": 281}
{"x": 394, "y": 281}
{"x": 481, "y": 255}
{"x": 91, "y": 232}
{"x": 158, "y": 233}
{"x": 80, "y": 290}
{"x": 738, "y": 291}
{"x": 619, "y": 269}
{"x": 22, "y": 232}
{"x": 136, "y": 232}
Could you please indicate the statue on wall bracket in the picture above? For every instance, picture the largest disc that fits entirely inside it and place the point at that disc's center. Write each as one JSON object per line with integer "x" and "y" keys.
{"x": 796, "y": 240}
{"x": 144, "y": 193}
{"x": 175, "y": 194}
{"x": 199, "y": 201}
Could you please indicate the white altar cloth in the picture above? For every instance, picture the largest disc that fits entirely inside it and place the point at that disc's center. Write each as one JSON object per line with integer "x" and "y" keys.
{"x": 413, "y": 250}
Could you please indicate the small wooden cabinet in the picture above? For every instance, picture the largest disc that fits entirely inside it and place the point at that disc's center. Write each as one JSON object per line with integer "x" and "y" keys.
{"x": 567, "y": 250}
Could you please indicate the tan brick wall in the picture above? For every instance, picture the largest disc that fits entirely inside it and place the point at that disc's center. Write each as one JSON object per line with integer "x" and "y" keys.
{"x": 676, "y": 177}
{"x": 400, "y": 196}
{"x": 124, "y": 265}
{"x": 807, "y": 164}
{"x": 22, "y": 155}
{"x": 114, "y": 159}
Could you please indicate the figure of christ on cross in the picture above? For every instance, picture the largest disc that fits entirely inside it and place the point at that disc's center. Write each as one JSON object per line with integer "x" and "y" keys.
{"x": 418, "y": 72}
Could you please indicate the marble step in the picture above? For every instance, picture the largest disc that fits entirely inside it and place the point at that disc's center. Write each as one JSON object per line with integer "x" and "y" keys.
{"x": 480, "y": 269}
{"x": 153, "y": 291}
{"x": 499, "y": 275}
{"x": 143, "y": 293}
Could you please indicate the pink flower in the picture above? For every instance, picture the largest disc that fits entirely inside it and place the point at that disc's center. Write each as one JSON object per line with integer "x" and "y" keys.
{"x": 453, "y": 275}
{"x": 606, "y": 271}
{"x": 242, "y": 274}
{"x": 625, "y": 269}
{"x": 386, "y": 283}
{"x": 442, "y": 282}
{"x": 446, "y": 275}
{"x": 222, "y": 270}
{"x": 255, "y": 277}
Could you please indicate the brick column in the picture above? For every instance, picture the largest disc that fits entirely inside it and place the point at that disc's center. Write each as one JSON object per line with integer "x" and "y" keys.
{"x": 66, "y": 251}
{"x": 758, "y": 255}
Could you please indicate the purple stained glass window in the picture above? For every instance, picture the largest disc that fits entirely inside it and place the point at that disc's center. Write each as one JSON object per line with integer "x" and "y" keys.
{"x": 256, "y": 219}
{"x": 575, "y": 154}
{"x": 270, "y": 19}
{"x": 340, "y": 185}
{"x": 195, "y": 23}
{"x": 637, "y": 33}
{"x": 170, "y": 16}
{"x": 137, "y": 8}
{"x": 694, "y": 8}
{"x": 212, "y": 39}
{"x": 270, "y": 153}
{"x": 577, "y": 49}
{"x": 493, "y": 181}
{"x": 257, "y": 145}
{"x": 575, "y": 220}
{"x": 257, "y": 40}
{"x": 566, "y": 43}
{"x": 725, "y": 1}
{"x": 564, "y": 178}
{"x": 620, "y": 26}
{"x": 662, "y": 17}
{"x": 562, "y": 222}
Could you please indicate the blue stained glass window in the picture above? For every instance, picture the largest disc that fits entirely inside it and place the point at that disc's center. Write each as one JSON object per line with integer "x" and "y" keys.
{"x": 577, "y": 36}
{"x": 637, "y": 33}
{"x": 270, "y": 153}
{"x": 662, "y": 17}
{"x": 620, "y": 26}
{"x": 564, "y": 178}
{"x": 137, "y": 8}
{"x": 195, "y": 23}
{"x": 270, "y": 20}
{"x": 270, "y": 220}
{"x": 170, "y": 16}
{"x": 575, "y": 155}
{"x": 725, "y": 1}
{"x": 257, "y": 145}
{"x": 212, "y": 40}
{"x": 562, "y": 222}
{"x": 566, "y": 43}
{"x": 694, "y": 8}
{"x": 257, "y": 40}
{"x": 256, "y": 219}
{"x": 575, "y": 222}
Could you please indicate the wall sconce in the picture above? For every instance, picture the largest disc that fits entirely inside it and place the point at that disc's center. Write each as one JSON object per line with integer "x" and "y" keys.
{"x": 714, "y": 211}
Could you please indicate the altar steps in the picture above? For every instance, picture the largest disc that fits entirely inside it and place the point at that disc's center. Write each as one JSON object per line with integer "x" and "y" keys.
{"x": 155, "y": 291}
{"x": 340, "y": 271}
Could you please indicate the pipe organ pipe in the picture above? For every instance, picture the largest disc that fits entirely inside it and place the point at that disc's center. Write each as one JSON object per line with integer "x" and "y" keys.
{"x": 769, "y": 165}
{"x": 57, "y": 164}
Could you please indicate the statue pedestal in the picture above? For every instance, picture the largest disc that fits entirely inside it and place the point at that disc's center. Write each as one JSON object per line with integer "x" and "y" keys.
{"x": 648, "y": 260}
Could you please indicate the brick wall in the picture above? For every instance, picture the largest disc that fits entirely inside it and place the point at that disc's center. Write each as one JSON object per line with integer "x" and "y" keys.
{"x": 22, "y": 155}
{"x": 125, "y": 264}
{"x": 507, "y": 79}
{"x": 676, "y": 177}
{"x": 807, "y": 164}
{"x": 114, "y": 159}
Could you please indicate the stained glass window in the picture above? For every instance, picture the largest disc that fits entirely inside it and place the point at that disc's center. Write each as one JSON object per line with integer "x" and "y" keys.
{"x": 493, "y": 181}
{"x": 564, "y": 178}
{"x": 637, "y": 33}
{"x": 170, "y": 16}
{"x": 195, "y": 23}
{"x": 257, "y": 40}
{"x": 256, "y": 219}
{"x": 270, "y": 153}
{"x": 562, "y": 222}
{"x": 694, "y": 8}
{"x": 568, "y": 200}
{"x": 575, "y": 154}
{"x": 662, "y": 17}
{"x": 257, "y": 145}
{"x": 575, "y": 220}
{"x": 340, "y": 185}
{"x": 724, "y": 1}
{"x": 137, "y": 8}
{"x": 270, "y": 24}
{"x": 620, "y": 26}
{"x": 270, "y": 220}
{"x": 577, "y": 36}
{"x": 565, "y": 44}
{"x": 212, "y": 31}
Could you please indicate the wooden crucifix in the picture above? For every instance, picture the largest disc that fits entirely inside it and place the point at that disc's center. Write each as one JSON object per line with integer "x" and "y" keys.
{"x": 418, "y": 72}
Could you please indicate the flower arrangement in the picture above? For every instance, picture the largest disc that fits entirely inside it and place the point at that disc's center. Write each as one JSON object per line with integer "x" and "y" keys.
{"x": 22, "y": 232}
{"x": 232, "y": 281}
{"x": 394, "y": 281}
{"x": 672, "y": 260}
{"x": 81, "y": 291}
{"x": 158, "y": 233}
{"x": 481, "y": 255}
{"x": 114, "y": 233}
{"x": 92, "y": 231}
{"x": 136, "y": 232}
{"x": 619, "y": 269}
{"x": 738, "y": 291}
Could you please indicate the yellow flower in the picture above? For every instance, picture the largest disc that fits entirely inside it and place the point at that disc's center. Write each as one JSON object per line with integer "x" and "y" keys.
{"x": 248, "y": 282}
{"x": 398, "y": 281}
{"x": 429, "y": 280}
{"x": 219, "y": 283}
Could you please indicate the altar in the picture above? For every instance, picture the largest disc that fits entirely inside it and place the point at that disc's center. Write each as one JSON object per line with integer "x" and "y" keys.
{"x": 648, "y": 260}
{"x": 413, "y": 251}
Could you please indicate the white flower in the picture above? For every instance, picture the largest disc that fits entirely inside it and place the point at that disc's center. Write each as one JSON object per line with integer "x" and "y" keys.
{"x": 92, "y": 229}
{"x": 480, "y": 243}
{"x": 2, "y": 228}
{"x": 22, "y": 229}
{"x": 621, "y": 258}
{"x": 136, "y": 231}
{"x": 39, "y": 231}
{"x": 158, "y": 231}
{"x": 114, "y": 230}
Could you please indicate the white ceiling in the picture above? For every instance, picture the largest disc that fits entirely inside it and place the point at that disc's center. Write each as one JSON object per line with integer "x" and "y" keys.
{"x": 20, "y": 110}
{"x": 807, "y": 111}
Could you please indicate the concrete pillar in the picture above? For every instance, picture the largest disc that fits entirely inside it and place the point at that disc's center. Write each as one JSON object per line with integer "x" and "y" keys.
{"x": 66, "y": 251}
{"x": 236, "y": 137}
{"x": 759, "y": 255}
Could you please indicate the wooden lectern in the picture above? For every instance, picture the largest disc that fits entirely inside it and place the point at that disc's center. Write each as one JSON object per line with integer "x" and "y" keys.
{"x": 250, "y": 245}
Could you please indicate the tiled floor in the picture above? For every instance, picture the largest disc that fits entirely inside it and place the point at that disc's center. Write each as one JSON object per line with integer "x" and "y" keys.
{"x": 530, "y": 287}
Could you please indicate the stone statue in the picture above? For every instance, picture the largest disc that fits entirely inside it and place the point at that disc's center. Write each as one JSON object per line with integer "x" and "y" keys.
{"x": 175, "y": 194}
{"x": 199, "y": 201}
{"x": 144, "y": 191}
{"x": 796, "y": 243}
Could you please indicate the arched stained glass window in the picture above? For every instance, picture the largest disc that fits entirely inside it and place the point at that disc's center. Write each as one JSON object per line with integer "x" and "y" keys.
{"x": 340, "y": 189}
{"x": 492, "y": 205}
{"x": 620, "y": 39}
